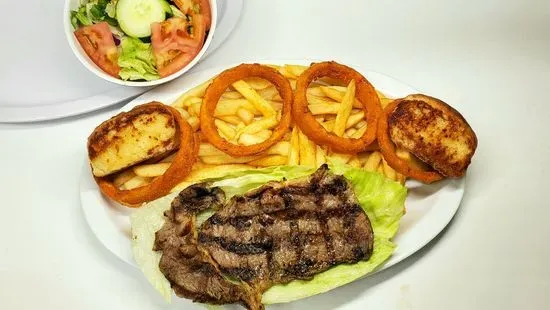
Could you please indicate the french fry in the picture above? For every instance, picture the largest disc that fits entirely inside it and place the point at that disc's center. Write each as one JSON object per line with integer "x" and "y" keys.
{"x": 320, "y": 155}
{"x": 270, "y": 160}
{"x": 265, "y": 134}
{"x": 168, "y": 158}
{"x": 183, "y": 113}
{"x": 231, "y": 119}
{"x": 345, "y": 110}
{"x": 334, "y": 93}
{"x": 294, "y": 152}
{"x": 328, "y": 125}
{"x": 209, "y": 172}
{"x": 278, "y": 106}
{"x": 191, "y": 101}
{"x": 223, "y": 159}
{"x": 151, "y": 170}
{"x": 231, "y": 106}
{"x": 197, "y": 91}
{"x": 401, "y": 178}
{"x": 403, "y": 154}
{"x": 307, "y": 151}
{"x": 354, "y": 162}
{"x": 292, "y": 84}
{"x": 257, "y": 126}
{"x": 384, "y": 101}
{"x": 359, "y": 132}
{"x": 315, "y": 91}
{"x": 232, "y": 95}
{"x": 249, "y": 139}
{"x": 373, "y": 161}
{"x": 194, "y": 122}
{"x": 380, "y": 169}
{"x": 195, "y": 108}
{"x": 361, "y": 123}
{"x": 287, "y": 136}
{"x": 363, "y": 156}
{"x": 286, "y": 73}
{"x": 258, "y": 101}
{"x": 226, "y": 129}
{"x": 322, "y": 108}
{"x": 340, "y": 157}
{"x": 207, "y": 149}
{"x": 350, "y": 132}
{"x": 135, "y": 182}
{"x": 279, "y": 148}
{"x": 296, "y": 70}
{"x": 245, "y": 115}
{"x": 354, "y": 119}
{"x": 257, "y": 83}
{"x": 123, "y": 177}
{"x": 312, "y": 99}
{"x": 269, "y": 93}
{"x": 388, "y": 171}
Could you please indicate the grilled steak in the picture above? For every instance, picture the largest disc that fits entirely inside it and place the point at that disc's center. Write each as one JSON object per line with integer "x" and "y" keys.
{"x": 189, "y": 271}
{"x": 275, "y": 234}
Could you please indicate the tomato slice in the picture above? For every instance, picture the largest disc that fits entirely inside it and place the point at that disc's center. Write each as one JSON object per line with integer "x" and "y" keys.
{"x": 206, "y": 13}
{"x": 98, "y": 43}
{"x": 176, "y": 41}
{"x": 204, "y": 9}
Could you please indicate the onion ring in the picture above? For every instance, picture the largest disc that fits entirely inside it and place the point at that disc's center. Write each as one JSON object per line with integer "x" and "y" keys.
{"x": 388, "y": 151}
{"x": 218, "y": 87}
{"x": 365, "y": 93}
{"x": 161, "y": 185}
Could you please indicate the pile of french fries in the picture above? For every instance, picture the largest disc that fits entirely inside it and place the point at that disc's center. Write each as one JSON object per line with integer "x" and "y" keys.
{"x": 246, "y": 114}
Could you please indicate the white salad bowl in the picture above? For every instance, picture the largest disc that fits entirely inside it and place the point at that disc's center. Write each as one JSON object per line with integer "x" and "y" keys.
{"x": 79, "y": 52}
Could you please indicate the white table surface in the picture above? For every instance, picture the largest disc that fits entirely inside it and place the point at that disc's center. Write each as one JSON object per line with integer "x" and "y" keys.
{"x": 491, "y": 60}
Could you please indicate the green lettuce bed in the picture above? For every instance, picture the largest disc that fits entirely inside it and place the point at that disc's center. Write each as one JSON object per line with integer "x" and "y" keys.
{"x": 382, "y": 199}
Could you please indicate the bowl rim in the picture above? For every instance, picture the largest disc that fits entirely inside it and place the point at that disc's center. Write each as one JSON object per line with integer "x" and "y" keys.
{"x": 91, "y": 66}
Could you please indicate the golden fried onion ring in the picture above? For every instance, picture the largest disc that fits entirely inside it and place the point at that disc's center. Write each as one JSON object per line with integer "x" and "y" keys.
{"x": 365, "y": 93}
{"x": 161, "y": 185}
{"x": 388, "y": 150}
{"x": 218, "y": 87}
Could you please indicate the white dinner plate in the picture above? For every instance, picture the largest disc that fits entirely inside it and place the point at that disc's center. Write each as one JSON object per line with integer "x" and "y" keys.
{"x": 66, "y": 88}
{"x": 429, "y": 207}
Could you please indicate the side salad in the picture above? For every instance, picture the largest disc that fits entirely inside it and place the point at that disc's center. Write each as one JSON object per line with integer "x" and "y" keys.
{"x": 141, "y": 40}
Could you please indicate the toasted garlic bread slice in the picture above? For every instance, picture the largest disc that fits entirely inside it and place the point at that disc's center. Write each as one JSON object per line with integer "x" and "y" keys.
{"x": 145, "y": 132}
{"x": 434, "y": 132}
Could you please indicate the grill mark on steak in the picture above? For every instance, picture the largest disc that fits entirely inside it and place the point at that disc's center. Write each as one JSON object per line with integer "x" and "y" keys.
{"x": 304, "y": 243}
{"x": 275, "y": 234}
{"x": 236, "y": 247}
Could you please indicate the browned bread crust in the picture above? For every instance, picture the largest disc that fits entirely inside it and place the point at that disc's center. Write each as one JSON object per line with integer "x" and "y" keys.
{"x": 128, "y": 138}
{"x": 434, "y": 132}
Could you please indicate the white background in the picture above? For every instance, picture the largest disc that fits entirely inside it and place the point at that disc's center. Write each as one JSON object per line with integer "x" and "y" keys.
{"x": 489, "y": 59}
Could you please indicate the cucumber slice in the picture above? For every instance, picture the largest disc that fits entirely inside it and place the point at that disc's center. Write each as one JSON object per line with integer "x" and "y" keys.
{"x": 136, "y": 16}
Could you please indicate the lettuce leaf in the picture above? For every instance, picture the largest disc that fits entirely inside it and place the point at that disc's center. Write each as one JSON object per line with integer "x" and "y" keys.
{"x": 240, "y": 182}
{"x": 382, "y": 199}
{"x": 136, "y": 60}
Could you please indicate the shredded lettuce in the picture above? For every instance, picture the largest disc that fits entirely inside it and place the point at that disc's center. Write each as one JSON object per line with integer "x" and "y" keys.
{"x": 136, "y": 60}
{"x": 382, "y": 199}
{"x": 80, "y": 18}
{"x": 93, "y": 12}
